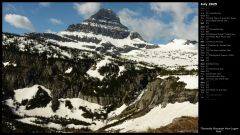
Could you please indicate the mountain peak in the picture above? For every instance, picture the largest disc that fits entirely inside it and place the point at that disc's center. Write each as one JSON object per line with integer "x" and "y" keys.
{"x": 106, "y": 14}
{"x": 104, "y": 22}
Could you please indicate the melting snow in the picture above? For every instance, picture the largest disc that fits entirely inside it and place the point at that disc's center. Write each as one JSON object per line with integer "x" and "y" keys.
{"x": 63, "y": 111}
{"x": 158, "y": 117}
{"x": 154, "y": 119}
{"x": 8, "y": 64}
{"x": 28, "y": 120}
{"x": 139, "y": 97}
{"x": 171, "y": 55}
{"x": 69, "y": 70}
{"x": 94, "y": 72}
{"x": 28, "y": 93}
{"x": 117, "y": 111}
{"x": 54, "y": 125}
{"x": 117, "y": 42}
{"x": 121, "y": 69}
{"x": 190, "y": 80}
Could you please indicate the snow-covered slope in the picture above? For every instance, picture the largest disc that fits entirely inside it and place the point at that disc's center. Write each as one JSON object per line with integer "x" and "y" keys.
{"x": 158, "y": 117}
{"x": 93, "y": 71}
{"x": 171, "y": 55}
{"x": 103, "y": 39}
{"x": 190, "y": 80}
{"x": 63, "y": 111}
{"x": 28, "y": 93}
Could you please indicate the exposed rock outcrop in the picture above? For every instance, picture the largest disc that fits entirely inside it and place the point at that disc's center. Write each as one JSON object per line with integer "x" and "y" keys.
{"x": 164, "y": 91}
{"x": 161, "y": 91}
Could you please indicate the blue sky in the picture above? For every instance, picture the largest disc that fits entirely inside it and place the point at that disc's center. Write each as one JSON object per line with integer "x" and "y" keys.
{"x": 156, "y": 22}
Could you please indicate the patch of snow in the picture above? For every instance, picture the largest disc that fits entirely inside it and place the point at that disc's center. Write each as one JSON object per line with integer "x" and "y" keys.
{"x": 163, "y": 77}
{"x": 96, "y": 126}
{"x": 75, "y": 126}
{"x": 28, "y": 93}
{"x": 69, "y": 70}
{"x": 190, "y": 80}
{"x": 121, "y": 69}
{"x": 28, "y": 120}
{"x": 54, "y": 125}
{"x": 139, "y": 97}
{"x": 76, "y": 45}
{"x": 94, "y": 72}
{"x": 171, "y": 55}
{"x": 191, "y": 67}
{"x": 117, "y": 111}
{"x": 158, "y": 117}
{"x": 6, "y": 64}
{"x": 9, "y": 63}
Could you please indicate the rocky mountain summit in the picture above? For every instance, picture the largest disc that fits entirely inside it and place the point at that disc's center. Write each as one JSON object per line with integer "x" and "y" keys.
{"x": 96, "y": 76}
{"x": 104, "y": 22}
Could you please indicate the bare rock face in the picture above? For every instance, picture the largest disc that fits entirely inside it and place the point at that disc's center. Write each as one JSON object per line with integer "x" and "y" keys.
{"x": 134, "y": 35}
{"x": 179, "y": 125}
{"x": 190, "y": 42}
{"x": 161, "y": 91}
{"x": 166, "y": 91}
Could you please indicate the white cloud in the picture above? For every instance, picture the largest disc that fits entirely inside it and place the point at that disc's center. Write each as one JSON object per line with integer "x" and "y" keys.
{"x": 180, "y": 12}
{"x": 149, "y": 28}
{"x": 19, "y": 21}
{"x": 44, "y": 4}
{"x": 55, "y": 21}
{"x": 187, "y": 31}
{"x": 87, "y": 9}
{"x": 152, "y": 28}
